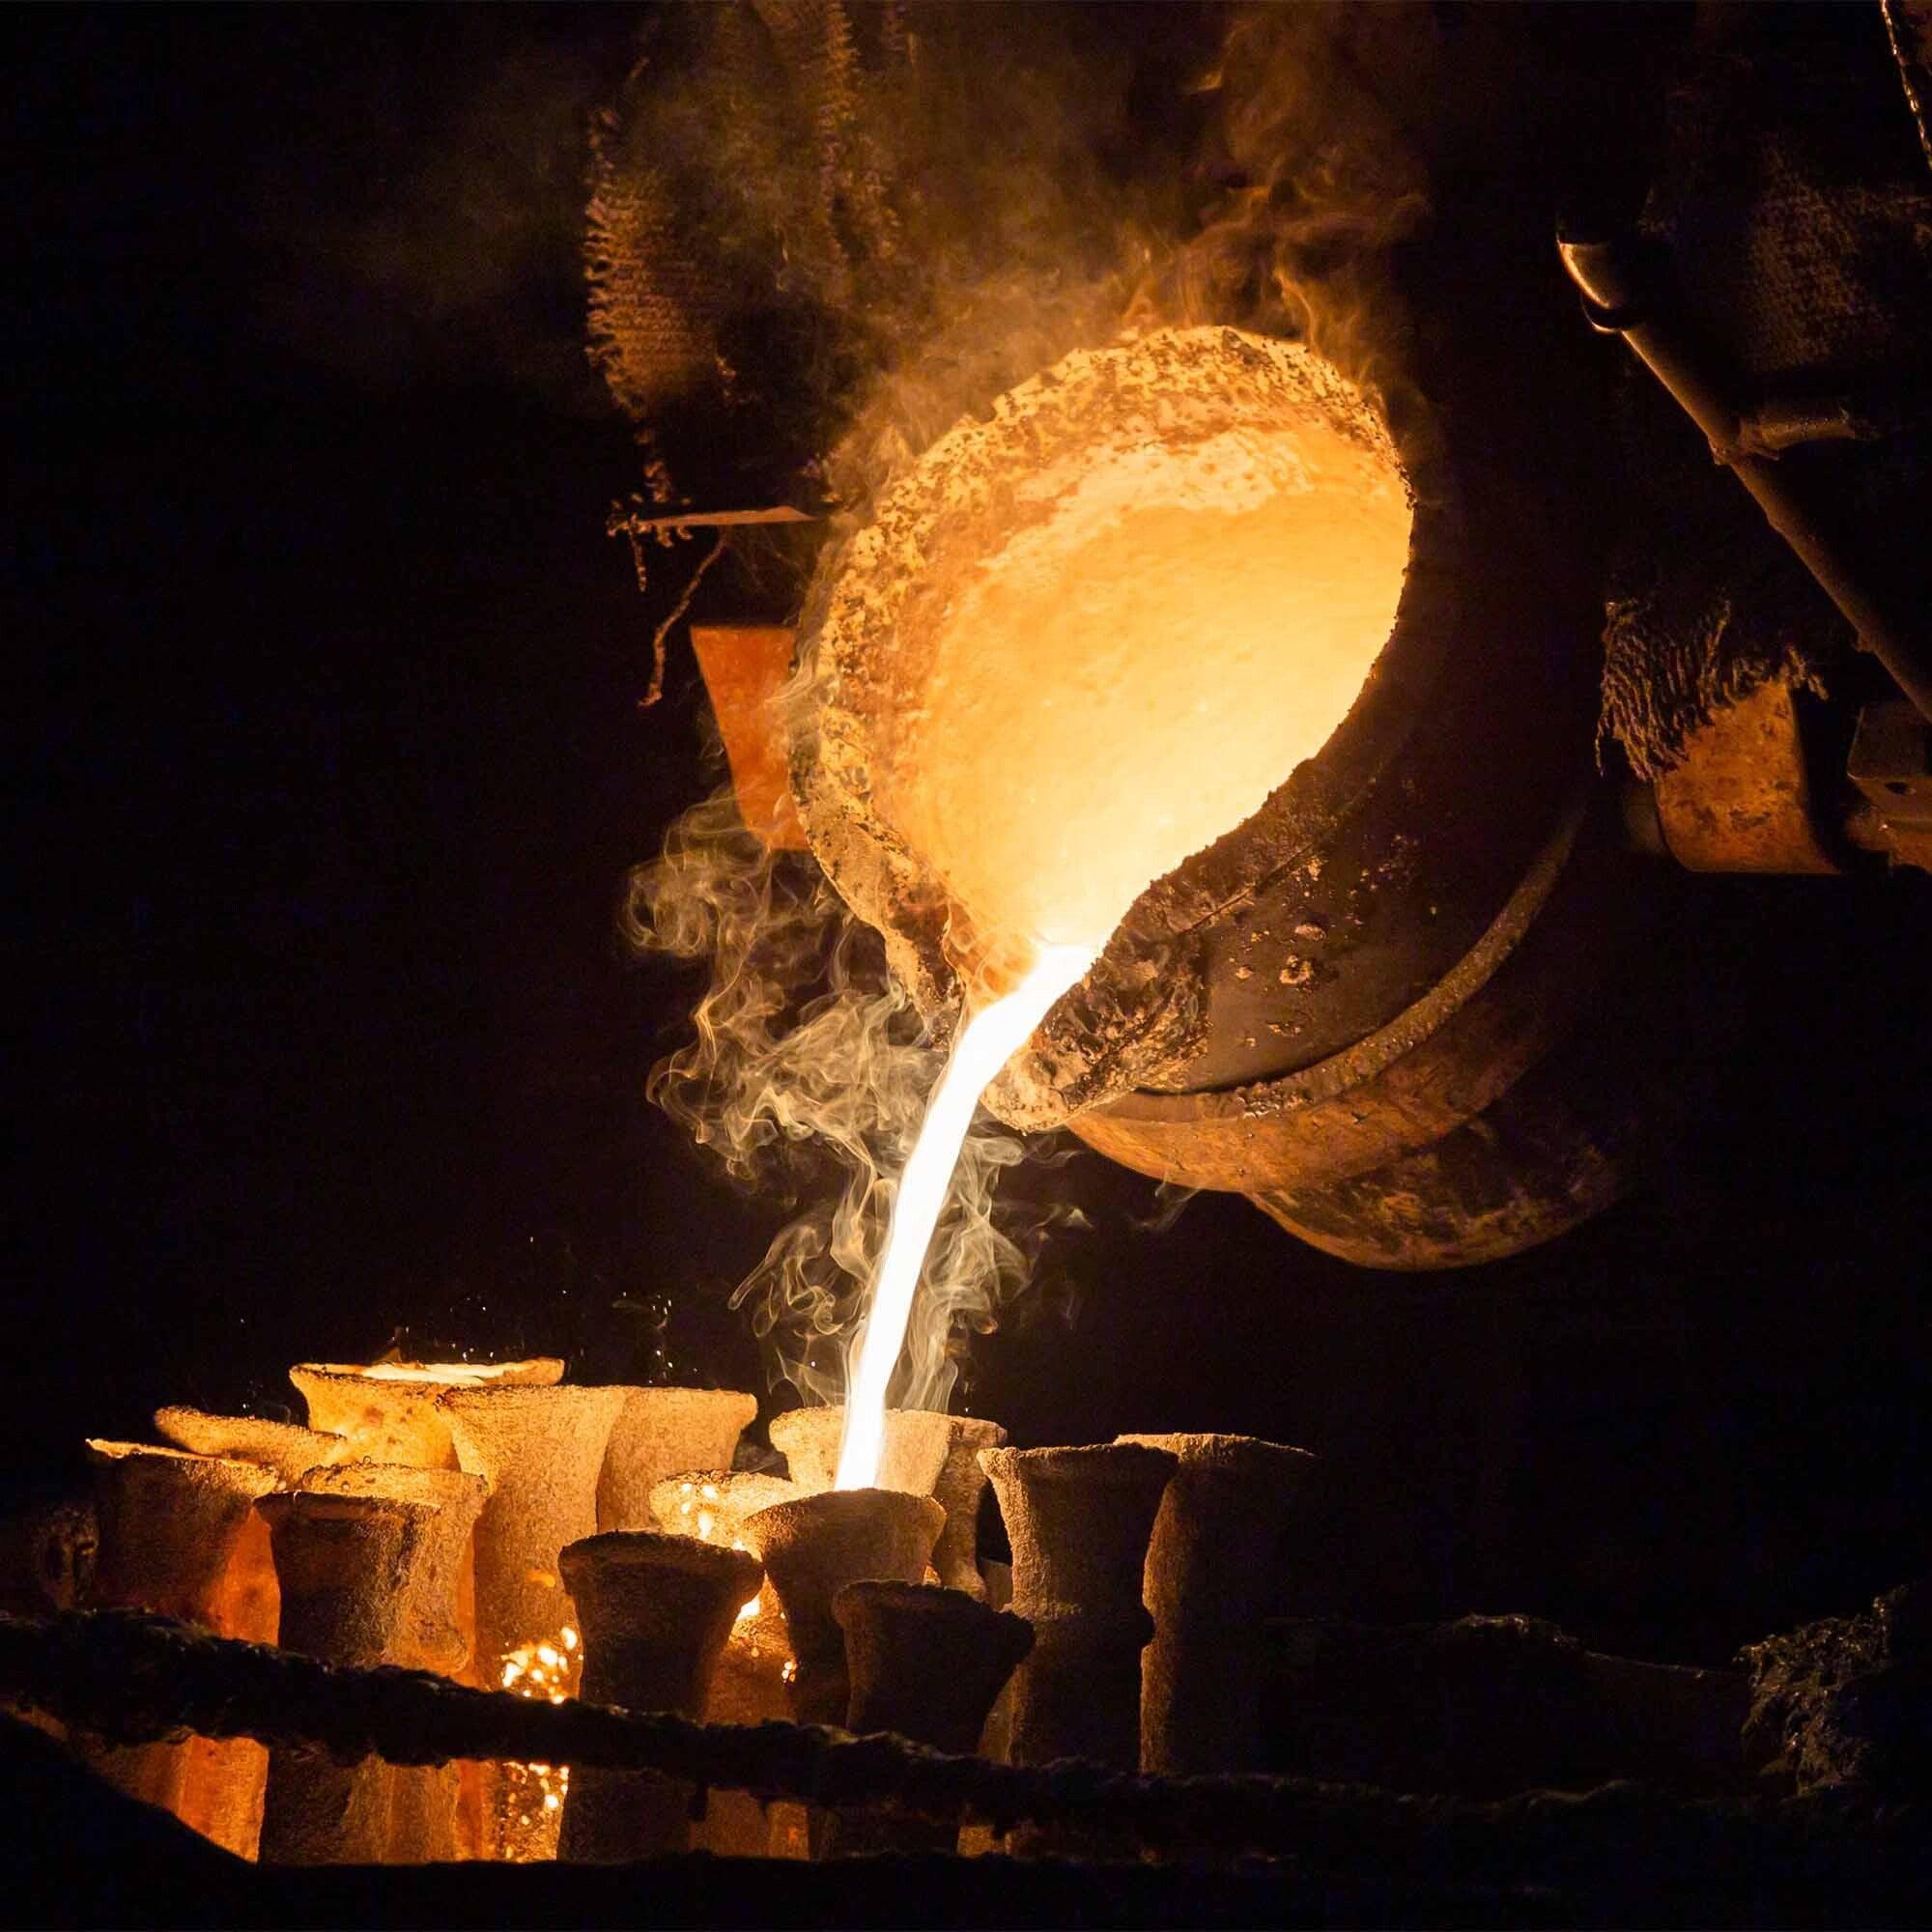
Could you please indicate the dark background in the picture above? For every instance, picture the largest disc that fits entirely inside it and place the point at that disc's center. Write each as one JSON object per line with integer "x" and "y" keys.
{"x": 332, "y": 767}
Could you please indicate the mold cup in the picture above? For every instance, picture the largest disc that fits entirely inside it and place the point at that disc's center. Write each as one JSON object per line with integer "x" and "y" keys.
{"x": 540, "y": 1449}
{"x": 388, "y": 1409}
{"x": 912, "y": 1456}
{"x": 171, "y": 1526}
{"x": 168, "y": 1523}
{"x": 962, "y": 1483}
{"x": 349, "y": 1568}
{"x": 250, "y": 1605}
{"x": 431, "y": 1634}
{"x": 655, "y": 1612}
{"x": 749, "y": 1684}
{"x": 1079, "y": 1521}
{"x": 287, "y": 1448}
{"x": 811, "y": 1548}
{"x": 925, "y": 1453}
{"x": 436, "y": 1633}
{"x": 1208, "y": 1568}
{"x": 711, "y": 1505}
{"x": 927, "y": 1664}
{"x": 808, "y": 1439}
{"x": 660, "y": 1432}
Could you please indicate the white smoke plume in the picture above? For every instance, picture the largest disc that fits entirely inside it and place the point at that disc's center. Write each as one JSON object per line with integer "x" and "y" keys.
{"x": 1012, "y": 242}
{"x": 807, "y": 1078}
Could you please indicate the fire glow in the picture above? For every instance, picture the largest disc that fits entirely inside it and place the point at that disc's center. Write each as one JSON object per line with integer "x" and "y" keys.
{"x": 698, "y": 1515}
{"x": 547, "y": 1671}
{"x": 1086, "y": 636}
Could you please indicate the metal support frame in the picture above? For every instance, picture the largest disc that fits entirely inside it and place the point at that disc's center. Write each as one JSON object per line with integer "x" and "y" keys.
{"x": 1622, "y": 281}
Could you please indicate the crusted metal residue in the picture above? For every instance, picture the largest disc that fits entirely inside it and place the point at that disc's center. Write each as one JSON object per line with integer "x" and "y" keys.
{"x": 1844, "y": 1701}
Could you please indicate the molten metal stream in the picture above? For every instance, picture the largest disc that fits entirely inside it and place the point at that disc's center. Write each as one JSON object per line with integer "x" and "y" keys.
{"x": 1201, "y": 560}
{"x": 989, "y": 1039}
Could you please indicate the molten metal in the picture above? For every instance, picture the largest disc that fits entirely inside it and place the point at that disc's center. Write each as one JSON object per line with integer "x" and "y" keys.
{"x": 1131, "y": 674}
{"x": 988, "y": 1041}
{"x": 1087, "y": 637}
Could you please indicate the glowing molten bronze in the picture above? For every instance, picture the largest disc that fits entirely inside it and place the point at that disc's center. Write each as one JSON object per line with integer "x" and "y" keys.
{"x": 988, "y": 1042}
{"x": 1084, "y": 639}
{"x": 1131, "y": 674}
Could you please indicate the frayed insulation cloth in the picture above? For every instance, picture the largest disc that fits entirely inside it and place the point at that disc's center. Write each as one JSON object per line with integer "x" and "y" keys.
{"x": 737, "y": 175}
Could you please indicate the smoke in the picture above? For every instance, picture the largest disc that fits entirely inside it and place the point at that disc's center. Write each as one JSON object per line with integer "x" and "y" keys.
{"x": 820, "y": 230}
{"x": 808, "y": 1077}
{"x": 820, "y": 235}
{"x": 1319, "y": 139}
{"x": 1170, "y": 1203}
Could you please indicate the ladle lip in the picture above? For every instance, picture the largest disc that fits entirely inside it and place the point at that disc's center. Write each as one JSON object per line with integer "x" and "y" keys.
{"x": 1317, "y": 1115}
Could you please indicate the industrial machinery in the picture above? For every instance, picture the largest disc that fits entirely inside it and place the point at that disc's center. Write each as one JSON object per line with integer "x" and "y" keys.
{"x": 1303, "y": 594}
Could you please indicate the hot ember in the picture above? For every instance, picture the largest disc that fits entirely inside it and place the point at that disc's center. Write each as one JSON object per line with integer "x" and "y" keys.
{"x": 533, "y": 1794}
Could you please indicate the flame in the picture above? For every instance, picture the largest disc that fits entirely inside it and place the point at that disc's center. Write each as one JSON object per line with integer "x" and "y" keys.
{"x": 988, "y": 1041}
{"x": 533, "y": 1797}
{"x": 698, "y": 1505}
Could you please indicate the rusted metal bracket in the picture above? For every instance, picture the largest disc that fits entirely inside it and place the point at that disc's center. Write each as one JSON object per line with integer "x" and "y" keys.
{"x": 745, "y": 667}
{"x": 1891, "y": 763}
{"x": 667, "y": 531}
{"x": 1783, "y": 423}
{"x": 1741, "y": 801}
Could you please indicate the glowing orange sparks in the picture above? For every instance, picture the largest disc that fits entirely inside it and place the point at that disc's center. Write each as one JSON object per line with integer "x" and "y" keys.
{"x": 698, "y": 1506}
{"x": 544, "y": 1670}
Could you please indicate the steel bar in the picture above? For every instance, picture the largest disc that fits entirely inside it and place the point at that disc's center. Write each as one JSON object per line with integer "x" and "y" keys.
{"x": 1621, "y": 297}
